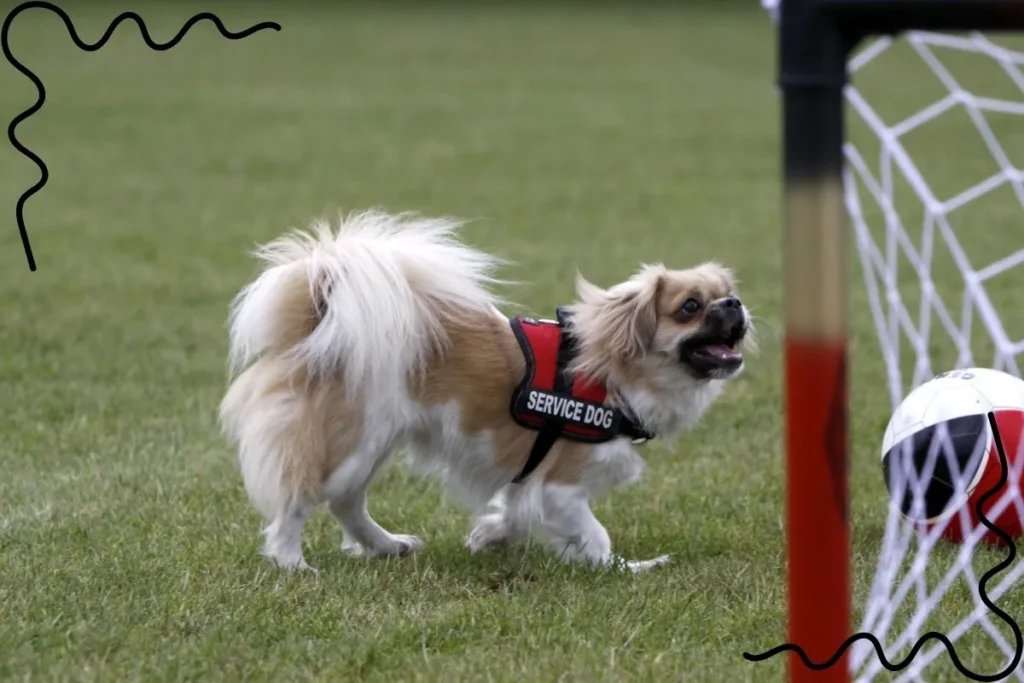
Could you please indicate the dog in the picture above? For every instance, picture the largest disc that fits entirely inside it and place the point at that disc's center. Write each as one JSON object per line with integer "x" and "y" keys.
{"x": 384, "y": 333}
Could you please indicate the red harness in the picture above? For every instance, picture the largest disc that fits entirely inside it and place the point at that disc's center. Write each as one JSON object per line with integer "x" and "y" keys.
{"x": 556, "y": 403}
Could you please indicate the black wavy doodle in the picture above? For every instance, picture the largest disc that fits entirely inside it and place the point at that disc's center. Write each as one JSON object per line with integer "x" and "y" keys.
{"x": 934, "y": 635}
{"x": 87, "y": 47}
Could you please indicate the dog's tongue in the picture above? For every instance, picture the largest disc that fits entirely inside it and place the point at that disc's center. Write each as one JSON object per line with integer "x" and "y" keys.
{"x": 721, "y": 351}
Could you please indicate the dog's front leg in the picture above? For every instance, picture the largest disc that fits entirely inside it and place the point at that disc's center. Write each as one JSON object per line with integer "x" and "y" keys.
{"x": 496, "y": 526}
{"x": 576, "y": 534}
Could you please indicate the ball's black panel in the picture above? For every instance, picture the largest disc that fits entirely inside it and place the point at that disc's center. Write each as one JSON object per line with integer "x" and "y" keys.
{"x": 964, "y": 434}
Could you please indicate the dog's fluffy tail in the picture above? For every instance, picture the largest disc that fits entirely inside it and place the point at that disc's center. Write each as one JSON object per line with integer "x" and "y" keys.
{"x": 366, "y": 300}
{"x": 362, "y": 305}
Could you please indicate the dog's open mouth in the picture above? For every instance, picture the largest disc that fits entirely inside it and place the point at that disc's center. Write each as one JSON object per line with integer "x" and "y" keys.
{"x": 708, "y": 357}
{"x": 722, "y": 353}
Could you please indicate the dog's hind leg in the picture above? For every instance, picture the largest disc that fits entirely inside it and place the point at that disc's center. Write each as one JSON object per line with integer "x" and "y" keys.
{"x": 363, "y": 537}
{"x": 283, "y": 537}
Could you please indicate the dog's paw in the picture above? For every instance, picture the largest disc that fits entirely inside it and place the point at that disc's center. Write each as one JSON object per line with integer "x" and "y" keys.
{"x": 406, "y": 545}
{"x": 489, "y": 531}
{"x": 353, "y": 549}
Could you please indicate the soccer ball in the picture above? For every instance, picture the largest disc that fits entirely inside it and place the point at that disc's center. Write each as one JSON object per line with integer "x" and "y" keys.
{"x": 944, "y": 449}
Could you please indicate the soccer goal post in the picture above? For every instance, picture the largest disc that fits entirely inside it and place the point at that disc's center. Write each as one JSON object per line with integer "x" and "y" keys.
{"x": 818, "y": 51}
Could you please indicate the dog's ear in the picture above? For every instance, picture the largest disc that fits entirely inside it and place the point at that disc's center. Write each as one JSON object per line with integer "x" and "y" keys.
{"x": 635, "y": 317}
{"x": 627, "y": 315}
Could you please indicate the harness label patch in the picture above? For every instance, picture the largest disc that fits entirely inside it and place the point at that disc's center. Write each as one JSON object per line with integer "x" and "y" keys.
{"x": 582, "y": 413}
{"x": 544, "y": 396}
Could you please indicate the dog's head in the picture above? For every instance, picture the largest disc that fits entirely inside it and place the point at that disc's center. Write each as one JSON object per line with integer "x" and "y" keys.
{"x": 663, "y": 324}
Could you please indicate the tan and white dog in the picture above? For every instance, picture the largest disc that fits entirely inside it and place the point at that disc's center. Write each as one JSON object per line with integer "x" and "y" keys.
{"x": 382, "y": 334}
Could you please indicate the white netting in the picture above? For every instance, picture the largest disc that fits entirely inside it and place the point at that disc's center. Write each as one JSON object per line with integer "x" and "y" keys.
{"x": 935, "y": 193}
{"x": 936, "y": 202}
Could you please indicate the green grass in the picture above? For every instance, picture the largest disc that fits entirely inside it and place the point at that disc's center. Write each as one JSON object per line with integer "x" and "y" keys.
{"x": 578, "y": 138}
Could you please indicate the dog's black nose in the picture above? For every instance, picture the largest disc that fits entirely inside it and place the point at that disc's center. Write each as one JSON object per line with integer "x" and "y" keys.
{"x": 730, "y": 302}
{"x": 729, "y": 318}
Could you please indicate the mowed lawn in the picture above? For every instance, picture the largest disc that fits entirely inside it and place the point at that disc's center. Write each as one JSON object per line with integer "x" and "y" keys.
{"x": 588, "y": 138}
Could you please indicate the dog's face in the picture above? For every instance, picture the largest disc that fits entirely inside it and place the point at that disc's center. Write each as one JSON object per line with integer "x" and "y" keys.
{"x": 661, "y": 323}
{"x": 701, "y": 322}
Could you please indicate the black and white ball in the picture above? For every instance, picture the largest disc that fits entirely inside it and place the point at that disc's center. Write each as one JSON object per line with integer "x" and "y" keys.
{"x": 945, "y": 435}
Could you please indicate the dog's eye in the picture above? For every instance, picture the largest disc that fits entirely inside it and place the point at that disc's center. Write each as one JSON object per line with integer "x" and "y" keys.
{"x": 690, "y": 307}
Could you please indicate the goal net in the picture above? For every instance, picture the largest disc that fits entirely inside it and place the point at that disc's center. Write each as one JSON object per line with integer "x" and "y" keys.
{"x": 935, "y": 195}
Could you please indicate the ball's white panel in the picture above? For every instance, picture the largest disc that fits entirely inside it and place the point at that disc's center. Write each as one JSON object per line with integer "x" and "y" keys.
{"x": 955, "y": 401}
{"x": 949, "y": 395}
{"x": 906, "y": 419}
{"x": 1001, "y": 389}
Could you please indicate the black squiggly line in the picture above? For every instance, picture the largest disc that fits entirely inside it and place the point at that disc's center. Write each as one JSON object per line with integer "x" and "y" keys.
{"x": 82, "y": 45}
{"x": 934, "y": 635}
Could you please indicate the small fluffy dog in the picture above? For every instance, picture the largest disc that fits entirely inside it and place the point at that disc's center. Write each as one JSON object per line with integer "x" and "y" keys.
{"x": 383, "y": 334}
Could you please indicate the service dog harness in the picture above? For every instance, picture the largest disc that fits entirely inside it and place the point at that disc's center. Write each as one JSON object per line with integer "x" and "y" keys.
{"x": 556, "y": 404}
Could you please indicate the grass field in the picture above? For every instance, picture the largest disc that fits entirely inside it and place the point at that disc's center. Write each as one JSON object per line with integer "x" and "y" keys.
{"x": 577, "y": 138}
